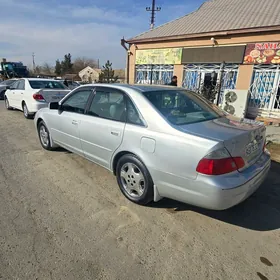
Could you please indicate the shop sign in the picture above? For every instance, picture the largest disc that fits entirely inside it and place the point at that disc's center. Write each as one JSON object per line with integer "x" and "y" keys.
{"x": 159, "y": 56}
{"x": 262, "y": 53}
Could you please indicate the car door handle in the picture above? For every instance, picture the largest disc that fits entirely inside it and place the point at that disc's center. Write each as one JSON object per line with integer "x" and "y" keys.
{"x": 21, "y": 92}
{"x": 74, "y": 122}
{"x": 115, "y": 133}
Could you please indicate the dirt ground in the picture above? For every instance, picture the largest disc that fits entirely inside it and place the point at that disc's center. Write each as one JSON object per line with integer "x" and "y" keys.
{"x": 62, "y": 217}
{"x": 274, "y": 149}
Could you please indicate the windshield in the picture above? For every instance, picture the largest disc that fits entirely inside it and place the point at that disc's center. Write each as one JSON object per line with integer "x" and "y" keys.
{"x": 39, "y": 84}
{"x": 8, "y": 66}
{"x": 7, "y": 82}
{"x": 181, "y": 107}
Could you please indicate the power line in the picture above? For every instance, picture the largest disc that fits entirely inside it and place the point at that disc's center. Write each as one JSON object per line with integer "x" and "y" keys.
{"x": 153, "y": 11}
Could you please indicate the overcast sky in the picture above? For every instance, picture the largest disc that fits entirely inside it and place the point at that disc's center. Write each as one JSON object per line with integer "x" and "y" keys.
{"x": 87, "y": 28}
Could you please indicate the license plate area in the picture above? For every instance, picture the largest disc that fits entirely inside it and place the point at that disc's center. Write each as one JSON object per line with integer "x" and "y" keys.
{"x": 56, "y": 97}
{"x": 252, "y": 148}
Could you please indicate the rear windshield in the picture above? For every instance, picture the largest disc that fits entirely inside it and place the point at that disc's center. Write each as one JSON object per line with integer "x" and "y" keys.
{"x": 181, "y": 107}
{"x": 39, "y": 84}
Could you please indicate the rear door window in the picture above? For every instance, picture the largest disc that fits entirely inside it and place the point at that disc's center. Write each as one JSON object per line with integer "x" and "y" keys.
{"x": 14, "y": 85}
{"x": 21, "y": 85}
{"x": 181, "y": 107}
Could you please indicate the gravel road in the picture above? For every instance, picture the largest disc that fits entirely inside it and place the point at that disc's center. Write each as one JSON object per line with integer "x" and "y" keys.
{"x": 62, "y": 217}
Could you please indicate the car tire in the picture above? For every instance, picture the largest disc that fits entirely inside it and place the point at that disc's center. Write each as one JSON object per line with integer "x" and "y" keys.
{"x": 134, "y": 180}
{"x": 7, "y": 104}
{"x": 26, "y": 113}
{"x": 44, "y": 136}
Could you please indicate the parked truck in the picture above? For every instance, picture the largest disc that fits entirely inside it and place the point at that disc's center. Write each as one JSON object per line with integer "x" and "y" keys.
{"x": 10, "y": 70}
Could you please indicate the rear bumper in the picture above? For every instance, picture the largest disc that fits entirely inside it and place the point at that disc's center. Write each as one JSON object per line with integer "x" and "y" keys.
{"x": 227, "y": 198}
{"x": 36, "y": 106}
{"x": 234, "y": 188}
{"x": 216, "y": 192}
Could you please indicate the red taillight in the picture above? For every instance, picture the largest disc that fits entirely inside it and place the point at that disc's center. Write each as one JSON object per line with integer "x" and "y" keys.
{"x": 38, "y": 96}
{"x": 219, "y": 166}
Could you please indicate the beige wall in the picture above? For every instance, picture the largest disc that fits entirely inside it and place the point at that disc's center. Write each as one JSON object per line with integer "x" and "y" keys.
{"x": 178, "y": 71}
{"x": 132, "y": 64}
{"x": 245, "y": 73}
{"x": 244, "y": 76}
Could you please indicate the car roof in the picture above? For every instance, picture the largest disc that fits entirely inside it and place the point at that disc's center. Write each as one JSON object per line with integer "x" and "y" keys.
{"x": 42, "y": 79}
{"x": 139, "y": 88}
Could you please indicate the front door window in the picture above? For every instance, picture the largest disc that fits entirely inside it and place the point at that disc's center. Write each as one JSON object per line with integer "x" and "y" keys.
{"x": 76, "y": 103}
{"x": 108, "y": 105}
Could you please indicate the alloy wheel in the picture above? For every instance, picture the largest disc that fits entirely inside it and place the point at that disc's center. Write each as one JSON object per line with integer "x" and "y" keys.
{"x": 132, "y": 180}
{"x": 44, "y": 136}
{"x": 7, "y": 103}
{"x": 25, "y": 111}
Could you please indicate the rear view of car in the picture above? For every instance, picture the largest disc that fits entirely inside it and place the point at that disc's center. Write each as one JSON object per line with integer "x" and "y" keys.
{"x": 44, "y": 92}
{"x": 225, "y": 157}
{"x": 160, "y": 142}
{"x": 30, "y": 95}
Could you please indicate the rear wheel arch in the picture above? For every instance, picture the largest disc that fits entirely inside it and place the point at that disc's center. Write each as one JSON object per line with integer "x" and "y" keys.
{"x": 8, "y": 107}
{"x": 26, "y": 113}
{"x": 119, "y": 155}
{"x": 134, "y": 178}
{"x": 38, "y": 122}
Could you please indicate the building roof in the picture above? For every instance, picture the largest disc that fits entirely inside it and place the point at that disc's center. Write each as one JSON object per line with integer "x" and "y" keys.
{"x": 220, "y": 15}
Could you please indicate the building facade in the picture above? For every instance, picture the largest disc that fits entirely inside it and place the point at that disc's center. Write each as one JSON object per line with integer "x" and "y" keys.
{"x": 224, "y": 42}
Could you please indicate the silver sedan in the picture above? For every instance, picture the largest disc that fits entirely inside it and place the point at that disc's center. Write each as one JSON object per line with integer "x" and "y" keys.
{"x": 160, "y": 142}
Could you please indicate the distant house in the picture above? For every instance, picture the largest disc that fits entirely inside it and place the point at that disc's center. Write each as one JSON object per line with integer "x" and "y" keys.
{"x": 89, "y": 75}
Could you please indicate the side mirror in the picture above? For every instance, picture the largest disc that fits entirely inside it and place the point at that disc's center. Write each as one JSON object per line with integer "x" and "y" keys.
{"x": 54, "y": 106}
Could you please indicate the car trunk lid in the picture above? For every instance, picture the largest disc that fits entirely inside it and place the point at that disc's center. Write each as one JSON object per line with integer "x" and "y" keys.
{"x": 53, "y": 95}
{"x": 241, "y": 137}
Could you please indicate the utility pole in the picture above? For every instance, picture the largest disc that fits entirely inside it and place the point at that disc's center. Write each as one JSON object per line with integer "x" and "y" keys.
{"x": 33, "y": 62}
{"x": 153, "y": 11}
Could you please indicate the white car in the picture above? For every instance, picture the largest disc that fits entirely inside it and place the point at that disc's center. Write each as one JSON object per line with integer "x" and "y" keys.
{"x": 30, "y": 95}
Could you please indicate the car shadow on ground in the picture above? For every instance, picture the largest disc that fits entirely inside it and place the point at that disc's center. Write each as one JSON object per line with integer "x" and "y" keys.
{"x": 62, "y": 150}
{"x": 260, "y": 212}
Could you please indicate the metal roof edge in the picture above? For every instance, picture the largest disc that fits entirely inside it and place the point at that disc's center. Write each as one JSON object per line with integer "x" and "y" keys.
{"x": 206, "y": 34}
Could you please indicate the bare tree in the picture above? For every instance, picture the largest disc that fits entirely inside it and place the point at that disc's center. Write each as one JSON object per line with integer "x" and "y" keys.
{"x": 47, "y": 69}
{"x": 82, "y": 62}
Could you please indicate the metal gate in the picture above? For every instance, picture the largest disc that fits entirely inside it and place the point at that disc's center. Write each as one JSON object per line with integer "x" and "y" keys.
{"x": 154, "y": 74}
{"x": 195, "y": 76}
{"x": 264, "y": 97}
